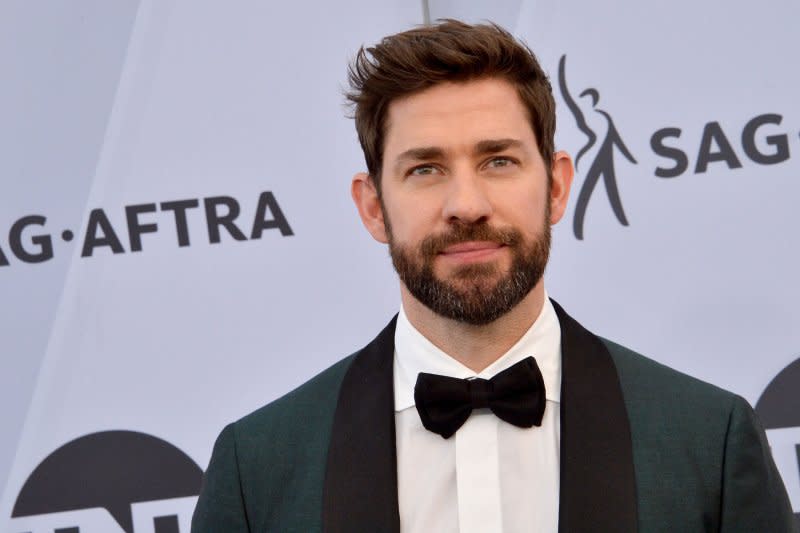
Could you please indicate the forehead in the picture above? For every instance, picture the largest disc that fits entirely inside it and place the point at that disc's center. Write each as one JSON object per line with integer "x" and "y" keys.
{"x": 455, "y": 115}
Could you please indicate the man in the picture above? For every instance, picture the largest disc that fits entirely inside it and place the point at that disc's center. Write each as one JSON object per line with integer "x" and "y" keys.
{"x": 483, "y": 406}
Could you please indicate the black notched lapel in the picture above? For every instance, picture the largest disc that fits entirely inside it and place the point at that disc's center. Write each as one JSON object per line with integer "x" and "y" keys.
{"x": 360, "y": 492}
{"x": 598, "y": 490}
{"x": 598, "y": 485}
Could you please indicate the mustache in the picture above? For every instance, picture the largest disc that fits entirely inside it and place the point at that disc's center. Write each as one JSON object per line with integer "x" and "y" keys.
{"x": 435, "y": 244}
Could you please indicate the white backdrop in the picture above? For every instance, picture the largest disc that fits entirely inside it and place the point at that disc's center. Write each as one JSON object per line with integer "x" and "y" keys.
{"x": 119, "y": 105}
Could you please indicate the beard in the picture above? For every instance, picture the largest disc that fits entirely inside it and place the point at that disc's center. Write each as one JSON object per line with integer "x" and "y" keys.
{"x": 477, "y": 293}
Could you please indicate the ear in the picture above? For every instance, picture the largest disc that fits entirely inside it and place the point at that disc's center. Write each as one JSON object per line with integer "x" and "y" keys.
{"x": 563, "y": 173}
{"x": 365, "y": 196}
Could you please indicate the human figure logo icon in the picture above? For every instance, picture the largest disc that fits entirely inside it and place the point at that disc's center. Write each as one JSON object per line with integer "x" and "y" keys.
{"x": 603, "y": 163}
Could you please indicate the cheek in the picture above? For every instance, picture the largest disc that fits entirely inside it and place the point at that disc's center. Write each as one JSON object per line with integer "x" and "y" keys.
{"x": 410, "y": 219}
{"x": 411, "y": 233}
{"x": 526, "y": 208}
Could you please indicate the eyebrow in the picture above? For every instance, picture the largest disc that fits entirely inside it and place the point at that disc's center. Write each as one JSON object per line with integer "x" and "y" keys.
{"x": 492, "y": 146}
{"x": 426, "y": 153}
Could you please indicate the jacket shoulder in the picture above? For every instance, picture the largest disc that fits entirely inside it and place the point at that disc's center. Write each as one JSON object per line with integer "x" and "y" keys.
{"x": 668, "y": 407}
{"x": 316, "y": 398}
{"x": 644, "y": 380}
{"x": 281, "y": 451}
{"x": 698, "y": 448}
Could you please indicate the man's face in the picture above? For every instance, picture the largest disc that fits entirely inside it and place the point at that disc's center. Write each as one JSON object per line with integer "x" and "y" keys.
{"x": 465, "y": 199}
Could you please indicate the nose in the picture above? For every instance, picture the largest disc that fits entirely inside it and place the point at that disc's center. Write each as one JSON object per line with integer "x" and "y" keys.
{"x": 467, "y": 199}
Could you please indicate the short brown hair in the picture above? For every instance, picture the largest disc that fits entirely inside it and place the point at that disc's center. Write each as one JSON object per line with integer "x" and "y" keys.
{"x": 450, "y": 50}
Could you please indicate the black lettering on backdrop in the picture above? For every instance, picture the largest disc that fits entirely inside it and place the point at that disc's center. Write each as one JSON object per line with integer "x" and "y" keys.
{"x": 135, "y": 228}
{"x": 44, "y": 242}
{"x": 179, "y": 207}
{"x": 215, "y": 220}
{"x": 267, "y": 202}
{"x": 713, "y": 133}
{"x": 221, "y": 212}
{"x": 99, "y": 221}
{"x": 779, "y": 142}
{"x": 676, "y": 154}
{"x": 714, "y": 146}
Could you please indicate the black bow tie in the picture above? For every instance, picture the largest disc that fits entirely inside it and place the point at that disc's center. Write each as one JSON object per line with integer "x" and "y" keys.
{"x": 515, "y": 395}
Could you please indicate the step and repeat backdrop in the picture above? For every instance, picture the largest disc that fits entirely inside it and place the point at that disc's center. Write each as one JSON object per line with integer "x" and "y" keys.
{"x": 178, "y": 246}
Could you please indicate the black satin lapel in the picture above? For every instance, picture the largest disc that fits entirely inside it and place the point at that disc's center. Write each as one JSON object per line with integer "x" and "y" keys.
{"x": 598, "y": 485}
{"x": 360, "y": 491}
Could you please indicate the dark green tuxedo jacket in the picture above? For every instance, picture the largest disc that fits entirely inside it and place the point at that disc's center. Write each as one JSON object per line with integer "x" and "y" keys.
{"x": 643, "y": 449}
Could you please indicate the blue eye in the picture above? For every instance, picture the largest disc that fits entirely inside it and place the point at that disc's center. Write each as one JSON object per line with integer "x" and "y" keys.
{"x": 499, "y": 162}
{"x": 422, "y": 170}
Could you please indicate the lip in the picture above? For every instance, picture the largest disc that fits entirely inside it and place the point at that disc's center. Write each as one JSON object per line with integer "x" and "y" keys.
{"x": 471, "y": 250}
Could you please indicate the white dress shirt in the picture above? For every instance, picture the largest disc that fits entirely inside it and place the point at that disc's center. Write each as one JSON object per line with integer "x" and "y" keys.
{"x": 490, "y": 476}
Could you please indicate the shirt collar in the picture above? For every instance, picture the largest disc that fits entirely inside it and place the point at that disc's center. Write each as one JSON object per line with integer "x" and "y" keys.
{"x": 413, "y": 353}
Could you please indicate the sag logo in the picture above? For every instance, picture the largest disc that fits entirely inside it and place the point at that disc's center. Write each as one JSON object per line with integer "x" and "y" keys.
{"x": 221, "y": 215}
{"x": 603, "y": 164}
{"x": 670, "y": 158}
{"x": 779, "y": 411}
{"x": 109, "y": 482}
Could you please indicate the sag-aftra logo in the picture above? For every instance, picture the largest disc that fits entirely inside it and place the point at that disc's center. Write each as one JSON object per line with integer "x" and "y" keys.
{"x": 605, "y": 159}
{"x": 31, "y": 241}
{"x": 110, "y": 482}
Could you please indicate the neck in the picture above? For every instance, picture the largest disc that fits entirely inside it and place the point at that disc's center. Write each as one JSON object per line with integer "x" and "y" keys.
{"x": 475, "y": 347}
